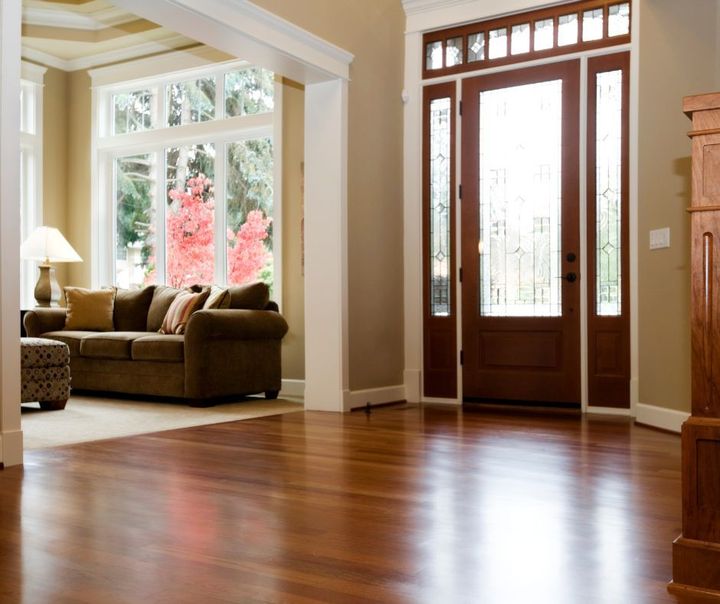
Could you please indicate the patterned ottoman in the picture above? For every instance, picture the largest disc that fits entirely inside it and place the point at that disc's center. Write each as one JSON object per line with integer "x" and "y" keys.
{"x": 45, "y": 372}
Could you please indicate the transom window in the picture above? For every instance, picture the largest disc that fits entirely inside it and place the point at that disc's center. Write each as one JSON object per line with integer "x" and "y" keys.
{"x": 532, "y": 35}
{"x": 186, "y": 178}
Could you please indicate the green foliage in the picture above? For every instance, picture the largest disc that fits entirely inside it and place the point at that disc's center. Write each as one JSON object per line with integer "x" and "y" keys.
{"x": 134, "y": 202}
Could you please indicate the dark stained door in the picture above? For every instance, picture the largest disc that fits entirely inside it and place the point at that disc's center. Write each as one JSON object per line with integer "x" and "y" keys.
{"x": 520, "y": 235}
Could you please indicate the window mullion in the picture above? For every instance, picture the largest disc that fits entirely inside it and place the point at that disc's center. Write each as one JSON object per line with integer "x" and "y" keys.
{"x": 160, "y": 209}
{"x": 220, "y": 212}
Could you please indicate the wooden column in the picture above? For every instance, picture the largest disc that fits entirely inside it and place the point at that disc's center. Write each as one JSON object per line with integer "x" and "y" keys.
{"x": 696, "y": 553}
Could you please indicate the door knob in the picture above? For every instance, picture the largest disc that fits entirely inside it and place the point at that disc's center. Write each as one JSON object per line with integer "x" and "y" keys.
{"x": 570, "y": 277}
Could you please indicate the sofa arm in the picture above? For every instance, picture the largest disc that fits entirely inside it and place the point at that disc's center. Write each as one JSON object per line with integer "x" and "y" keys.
{"x": 233, "y": 352}
{"x": 235, "y": 324}
{"x": 41, "y": 320}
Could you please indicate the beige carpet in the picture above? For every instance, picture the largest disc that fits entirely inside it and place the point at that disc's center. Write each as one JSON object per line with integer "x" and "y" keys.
{"x": 87, "y": 418}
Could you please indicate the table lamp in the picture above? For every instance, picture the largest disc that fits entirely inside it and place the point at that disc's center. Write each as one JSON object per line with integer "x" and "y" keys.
{"x": 47, "y": 245}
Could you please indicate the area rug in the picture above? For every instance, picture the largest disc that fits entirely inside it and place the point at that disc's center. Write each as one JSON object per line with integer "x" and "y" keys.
{"x": 87, "y": 418}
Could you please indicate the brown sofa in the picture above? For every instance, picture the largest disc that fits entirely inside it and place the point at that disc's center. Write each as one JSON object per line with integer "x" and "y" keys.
{"x": 225, "y": 352}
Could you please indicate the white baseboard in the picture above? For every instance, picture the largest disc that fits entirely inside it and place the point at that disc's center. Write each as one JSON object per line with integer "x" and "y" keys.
{"x": 293, "y": 388}
{"x": 354, "y": 399}
{"x": 412, "y": 385}
{"x": 12, "y": 448}
{"x": 659, "y": 417}
{"x": 442, "y": 401}
{"x": 607, "y": 411}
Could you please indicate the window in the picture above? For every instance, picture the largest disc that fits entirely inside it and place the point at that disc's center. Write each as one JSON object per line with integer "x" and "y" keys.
{"x": 187, "y": 166}
{"x": 31, "y": 130}
{"x": 577, "y": 26}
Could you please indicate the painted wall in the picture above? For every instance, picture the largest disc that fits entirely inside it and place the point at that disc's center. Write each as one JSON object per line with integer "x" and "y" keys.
{"x": 677, "y": 58}
{"x": 293, "y": 303}
{"x": 78, "y": 196}
{"x": 373, "y": 32}
{"x": 55, "y": 158}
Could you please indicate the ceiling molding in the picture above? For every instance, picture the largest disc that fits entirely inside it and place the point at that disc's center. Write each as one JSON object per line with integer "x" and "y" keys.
{"x": 416, "y": 7}
{"x": 104, "y": 58}
{"x": 93, "y": 21}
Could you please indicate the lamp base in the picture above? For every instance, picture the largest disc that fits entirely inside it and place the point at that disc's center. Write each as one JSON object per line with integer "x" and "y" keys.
{"x": 47, "y": 290}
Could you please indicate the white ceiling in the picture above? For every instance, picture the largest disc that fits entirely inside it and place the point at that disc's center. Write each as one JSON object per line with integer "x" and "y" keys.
{"x": 81, "y": 34}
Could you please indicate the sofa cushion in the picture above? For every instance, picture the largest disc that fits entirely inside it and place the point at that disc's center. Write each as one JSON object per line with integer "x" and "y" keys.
{"x": 111, "y": 345}
{"x": 89, "y": 309}
{"x": 131, "y": 308}
{"x": 252, "y": 296}
{"x": 184, "y": 305}
{"x": 161, "y": 301}
{"x": 219, "y": 298}
{"x": 169, "y": 348}
{"x": 71, "y": 338}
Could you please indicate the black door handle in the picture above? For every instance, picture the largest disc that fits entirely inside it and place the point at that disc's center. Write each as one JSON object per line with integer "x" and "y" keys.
{"x": 570, "y": 277}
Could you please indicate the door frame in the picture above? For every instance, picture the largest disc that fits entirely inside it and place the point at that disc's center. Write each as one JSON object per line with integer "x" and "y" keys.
{"x": 413, "y": 276}
{"x": 564, "y": 382}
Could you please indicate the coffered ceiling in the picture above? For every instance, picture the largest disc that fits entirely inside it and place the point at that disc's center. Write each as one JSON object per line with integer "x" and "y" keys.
{"x": 80, "y": 34}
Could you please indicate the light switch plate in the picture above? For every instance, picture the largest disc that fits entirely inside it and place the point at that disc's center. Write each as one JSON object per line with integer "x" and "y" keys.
{"x": 660, "y": 238}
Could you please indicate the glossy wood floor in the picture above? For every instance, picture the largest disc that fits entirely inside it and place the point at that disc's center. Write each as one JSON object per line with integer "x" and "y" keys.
{"x": 409, "y": 504}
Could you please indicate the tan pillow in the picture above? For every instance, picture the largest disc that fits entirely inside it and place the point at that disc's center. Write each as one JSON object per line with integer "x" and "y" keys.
{"x": 184, "y": 305}
{"x": 89, "y": 310}
{"x": 218, "y": 298}
{"x": 161, "y": 300}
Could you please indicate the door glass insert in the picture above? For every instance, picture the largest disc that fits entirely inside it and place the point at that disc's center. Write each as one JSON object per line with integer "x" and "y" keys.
{"x": 592, "y": 24}
{"x": 567, "y": 30}
{"x": 619, "y": 19}
{"x": 453, "y": 52}
{"x": 608, "y": 178}
{"x": 520, "y": 39}
{"x": 498, "y": 43}
{"x": 543, "y": 34}
{"x": 440, "y": 207}
{"x": 476, "y": 47}
{"x": 520, "y": 200}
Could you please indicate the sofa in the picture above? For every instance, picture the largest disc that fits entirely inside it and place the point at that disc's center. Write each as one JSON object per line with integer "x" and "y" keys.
{"x": 229, "y": 351}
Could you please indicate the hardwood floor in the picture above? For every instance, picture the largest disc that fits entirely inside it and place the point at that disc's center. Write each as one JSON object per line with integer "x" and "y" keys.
{"x": 408, "y": 504}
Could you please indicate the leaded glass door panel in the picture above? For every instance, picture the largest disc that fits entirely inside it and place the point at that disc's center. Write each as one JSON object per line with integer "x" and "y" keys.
{"x": 520, "y": 235}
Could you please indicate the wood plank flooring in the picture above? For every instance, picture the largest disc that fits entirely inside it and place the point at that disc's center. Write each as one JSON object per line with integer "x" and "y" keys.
{"x": 412, "y": 503}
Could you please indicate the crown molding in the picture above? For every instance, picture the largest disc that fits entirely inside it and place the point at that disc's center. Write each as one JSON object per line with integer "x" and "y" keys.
{"x": 416, "y": 7}
{"x": 92, "y": 21}
{"x": 105, "y": 58}
{"x": 32, "y": 72}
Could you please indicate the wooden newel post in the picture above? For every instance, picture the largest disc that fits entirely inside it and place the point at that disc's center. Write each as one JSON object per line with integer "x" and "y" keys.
{"x": 696, "y": 553}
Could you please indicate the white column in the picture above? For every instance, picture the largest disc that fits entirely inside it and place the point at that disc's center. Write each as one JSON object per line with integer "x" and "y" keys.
{"x": 326, "y": 297}
{"x": 10, "y": 432}
{"x": 412, "y": 183}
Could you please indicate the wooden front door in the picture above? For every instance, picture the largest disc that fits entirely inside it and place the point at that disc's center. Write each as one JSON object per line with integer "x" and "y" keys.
{"x": 520, "y": 235}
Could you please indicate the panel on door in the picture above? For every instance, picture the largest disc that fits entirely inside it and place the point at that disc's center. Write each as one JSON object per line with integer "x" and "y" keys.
{"x": 520, "y": 235}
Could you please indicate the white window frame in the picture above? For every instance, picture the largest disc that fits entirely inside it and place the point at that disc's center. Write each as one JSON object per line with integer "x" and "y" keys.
{"x": 219, "y": 131}
{"x": 31, "y": 150}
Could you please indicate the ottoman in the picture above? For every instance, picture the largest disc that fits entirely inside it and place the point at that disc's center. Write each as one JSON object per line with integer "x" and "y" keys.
{"x": 45, "y": 372}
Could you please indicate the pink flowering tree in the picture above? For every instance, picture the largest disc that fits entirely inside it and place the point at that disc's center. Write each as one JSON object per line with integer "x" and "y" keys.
{"x": 190, "y": 238}
{"x": 246, "y": 252}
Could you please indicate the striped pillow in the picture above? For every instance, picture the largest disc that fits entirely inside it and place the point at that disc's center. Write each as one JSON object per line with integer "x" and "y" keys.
{"x": 184, "y": 305}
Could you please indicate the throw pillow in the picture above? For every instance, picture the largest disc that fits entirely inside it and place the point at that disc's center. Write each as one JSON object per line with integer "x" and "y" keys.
{"x": 252, "y": 296}
{"x": 184, "y": 305}
{"x": 89, "y": 310}
{"x": 131, "y": 308}
{"x": 218, "y": 298}
{"x": 161, "y": 301}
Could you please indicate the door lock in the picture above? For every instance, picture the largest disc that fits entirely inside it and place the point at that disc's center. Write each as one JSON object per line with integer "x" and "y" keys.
{"x": 570, "y": 277}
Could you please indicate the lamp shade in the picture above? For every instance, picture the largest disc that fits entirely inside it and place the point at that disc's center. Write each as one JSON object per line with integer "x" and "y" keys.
{"x": 48, "y": 245}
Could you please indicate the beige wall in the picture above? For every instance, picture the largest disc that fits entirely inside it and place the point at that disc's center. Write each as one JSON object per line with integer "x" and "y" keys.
{"x": 55, "y": 157}
{"x": 677, "y": 50}
{"x": 293, "y": 302}
{"x": 373, "y": 32}
{"x": 78, "y": 204}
